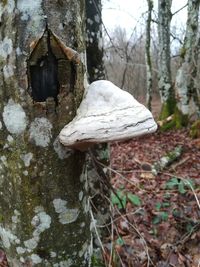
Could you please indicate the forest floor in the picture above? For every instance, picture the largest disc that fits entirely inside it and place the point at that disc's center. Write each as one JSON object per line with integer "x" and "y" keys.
{"x": 156, "y": 222}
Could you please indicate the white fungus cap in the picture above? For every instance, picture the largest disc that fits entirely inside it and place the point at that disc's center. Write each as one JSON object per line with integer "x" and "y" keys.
{"x": 106, "y": 114}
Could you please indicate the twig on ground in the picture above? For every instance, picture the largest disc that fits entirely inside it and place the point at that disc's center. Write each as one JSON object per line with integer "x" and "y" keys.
{"x": 174, "y": 166}
{"x": 166, "y": 160}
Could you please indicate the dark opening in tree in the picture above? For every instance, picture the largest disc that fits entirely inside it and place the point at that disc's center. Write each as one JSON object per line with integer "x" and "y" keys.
{"x": 50, "y": 70}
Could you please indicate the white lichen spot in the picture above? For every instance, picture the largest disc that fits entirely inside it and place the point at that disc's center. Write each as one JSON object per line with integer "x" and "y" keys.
{"x": 92, "y": 225}
{"x": 20, "y": 250}
{"x": 7, "y": 238}
{"x": 40, "y": 132}
{"x": 14, "y": 117}
{"x": 61, "y": 150}
{"x": 6, "y": 47}
{"x": 83, "y": 57}
{"x": 36, "y": 259}
{"x": 80, "y": 195}
{"x": 22, "y": 259}
{"x": 1, "y": 125}
{"x": 15, "y": 218}
{"x": 68, "y": 216}
{"x": 89, "y": 21}
{"x": 10, "y": 139}
{"x": 83, "y": 249}
{"x": 18, "y": 51}
{"x": 25, "y": 173}
{"x": 41, "y": 221}
{"x": 8, "y": 71}
{"x": 82, "y": 224}
{"x": 65, "y": 215}
{"x": 29, "y": 9}
{"x": 4, "y": 161}
{"x": 85, "y": 82}
{"x": 97, "y": 18}
{"x": 10, "y": 6}
{"x": 59, "y": 205}
{"x": 68, "y": 16}
{"x": 66, "y": 263}
{"x": 60, "y": 26}
{"x": 53, "y": 254}
{"x": 38, "y": 209}
{"x": 27, "y": 159}
{"x": 30, "y": 244}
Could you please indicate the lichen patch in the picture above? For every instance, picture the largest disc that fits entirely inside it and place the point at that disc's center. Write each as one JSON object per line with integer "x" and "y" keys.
{"x": 7, "y": 237}
{"x": 36, "y": 259}
{"x": 59, "y": 205}
{"x": 65, "y": 215}
{"x": 41, "y": 221}
{"x": 61, "y": 151}
{"x": 29, "y": 9}
{"x": 8, "y": 71}
{"x": 40, "y": 132}
{"x": 27, "y": 159}
{"x": 6, "y": 47}
{"x": 68, "y": 216}
{"x": 14, "y": 117}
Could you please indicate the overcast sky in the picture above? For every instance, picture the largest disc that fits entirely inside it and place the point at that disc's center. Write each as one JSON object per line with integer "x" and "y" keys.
{"x": 127, "y": 13}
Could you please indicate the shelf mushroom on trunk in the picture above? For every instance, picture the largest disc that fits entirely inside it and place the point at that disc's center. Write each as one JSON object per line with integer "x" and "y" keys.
{"x": 106, "y": 114}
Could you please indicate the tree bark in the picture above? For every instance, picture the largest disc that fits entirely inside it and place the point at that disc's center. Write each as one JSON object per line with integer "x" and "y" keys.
{"x": 43, "y": 201}
{"x": 95, "y": 65}
{"x": 165, "y": 82}
{"x": 186, "y": 84}
{"x": 148, "y": 55}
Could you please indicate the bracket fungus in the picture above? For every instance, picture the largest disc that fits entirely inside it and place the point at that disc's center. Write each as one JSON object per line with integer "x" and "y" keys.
{"x": 106, "y": 114}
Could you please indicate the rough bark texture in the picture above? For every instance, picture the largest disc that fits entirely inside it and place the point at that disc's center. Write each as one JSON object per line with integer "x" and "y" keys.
{"x": 148, "y": 55}
{"x": 95, "y": 66}
{"x": 186, "y": 87}
{"x": 43, "y": 218}
{"x": 96, "y": 71}
{"x": 165, "y": 83}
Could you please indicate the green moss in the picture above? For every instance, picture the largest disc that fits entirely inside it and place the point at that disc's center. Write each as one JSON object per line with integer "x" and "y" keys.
{"x": 4, "y": 2}
{"x": 195, "y": 129}
{"x": 178, "y": 121}
{"x": 182, "y": 52}
{"x": 168, "y": 108}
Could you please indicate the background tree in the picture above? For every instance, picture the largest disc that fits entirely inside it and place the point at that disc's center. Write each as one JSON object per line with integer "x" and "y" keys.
{"x": 148, "y": 54}
{"x": 43, "y": 199}
{"x": 94, "y": 44}
{"x": 100, "y": 152}
{"x": 164, "y": 68}
{"x": 186, "y": 79}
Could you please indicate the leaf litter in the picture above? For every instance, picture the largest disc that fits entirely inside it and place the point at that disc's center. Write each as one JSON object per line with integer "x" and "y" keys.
{"x": 161, "y": 223}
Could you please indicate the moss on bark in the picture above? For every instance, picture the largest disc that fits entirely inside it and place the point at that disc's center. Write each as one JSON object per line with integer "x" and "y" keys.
{"x": 178, "y": 120}
{"x": 195, "y": 129}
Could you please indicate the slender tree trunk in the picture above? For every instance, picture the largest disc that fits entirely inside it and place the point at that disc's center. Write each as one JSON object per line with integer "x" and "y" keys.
{"x": 165, "y": 83}
{"x": 43, "y": 204}
{"x": 148, "y": 55}
{"x": 95, "y": 66}
{"x": 100, "y": 152}
{"x": 186, "y": 84}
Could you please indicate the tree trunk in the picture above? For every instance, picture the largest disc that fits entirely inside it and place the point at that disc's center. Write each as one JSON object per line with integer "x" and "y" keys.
{"x": 165, "y": 83}
{"x": 99, "y": 154}
{"x": 95, "y": 66}
{"x": 186, "y": 84}
{"x": 43, "y": 202}
{"x": 148, "y": 55}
